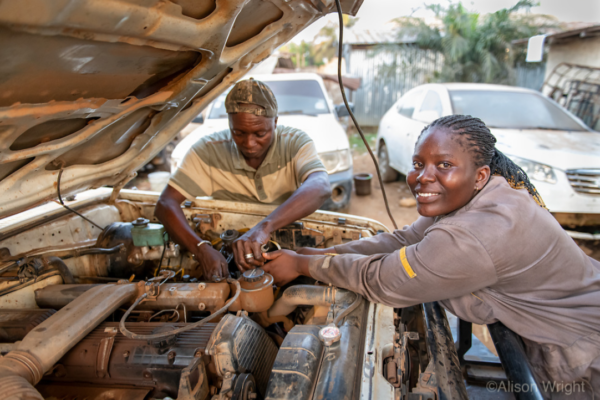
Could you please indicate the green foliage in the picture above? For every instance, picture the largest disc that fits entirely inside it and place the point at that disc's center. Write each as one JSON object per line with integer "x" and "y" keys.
{"x": 475, "y": 48}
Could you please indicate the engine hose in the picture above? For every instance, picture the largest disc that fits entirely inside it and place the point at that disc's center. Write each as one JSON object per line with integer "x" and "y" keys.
{"x": 362, "y": 135}
{"x": 127, "y": 333}
{"x": 338, "y": 320}
{"x": 62, "y": 269}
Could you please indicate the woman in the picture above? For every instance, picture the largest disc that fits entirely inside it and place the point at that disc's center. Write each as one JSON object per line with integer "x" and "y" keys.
{"x": 486, "y": 251}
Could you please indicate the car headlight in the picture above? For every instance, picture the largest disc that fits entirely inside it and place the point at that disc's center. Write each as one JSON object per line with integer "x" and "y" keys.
{"x": 536, "y": 171}
{"x": 336, "y": 161}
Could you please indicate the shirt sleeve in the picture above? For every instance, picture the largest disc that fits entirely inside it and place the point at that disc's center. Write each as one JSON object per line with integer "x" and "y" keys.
{"x": 388, "y": 242}
{"x": 449, "y": 262}
{"x": 306, "y": 159}
{"x": 190, "y": 174}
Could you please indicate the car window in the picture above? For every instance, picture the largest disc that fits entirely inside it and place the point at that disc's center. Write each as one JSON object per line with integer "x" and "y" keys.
{"x": 432, "y": 104}
{"x": 513, "y": 110}
{"x": 409, "y": 102}
{"x": 293, "y": 97}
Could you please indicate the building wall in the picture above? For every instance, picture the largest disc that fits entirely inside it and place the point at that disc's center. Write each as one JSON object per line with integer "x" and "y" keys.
{"x": 581, "y": 51}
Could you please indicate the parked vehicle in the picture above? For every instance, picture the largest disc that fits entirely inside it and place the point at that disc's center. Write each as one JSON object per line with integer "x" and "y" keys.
{"x": 304, "y": 104}
{"x": 558, "y": 152}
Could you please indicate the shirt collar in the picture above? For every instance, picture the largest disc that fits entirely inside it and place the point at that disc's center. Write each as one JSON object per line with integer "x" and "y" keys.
{"x": 239, "y": 162}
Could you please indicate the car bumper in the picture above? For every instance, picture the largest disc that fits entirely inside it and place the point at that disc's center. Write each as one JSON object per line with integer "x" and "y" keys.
{"x": 341, "y": 191}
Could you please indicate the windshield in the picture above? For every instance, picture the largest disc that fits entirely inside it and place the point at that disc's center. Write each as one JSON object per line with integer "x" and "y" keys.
{"x": 293, "y": 97}
{"x": 512, "y": 110}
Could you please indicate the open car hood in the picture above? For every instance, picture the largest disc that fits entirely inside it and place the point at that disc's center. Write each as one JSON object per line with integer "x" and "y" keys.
{"x": 96, "y": 88}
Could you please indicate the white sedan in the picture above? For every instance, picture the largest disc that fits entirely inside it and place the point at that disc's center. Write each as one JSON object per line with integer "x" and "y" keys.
{"x": 558, "y": 152}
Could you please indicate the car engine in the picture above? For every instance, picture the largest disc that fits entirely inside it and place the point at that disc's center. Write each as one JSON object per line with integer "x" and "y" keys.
{"x": 125, "y": 314}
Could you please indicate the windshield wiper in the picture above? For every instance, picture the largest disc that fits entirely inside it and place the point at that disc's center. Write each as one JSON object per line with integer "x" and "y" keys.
{"x": 547, "y": 128}
{"x": 296, "y": 112}
{"x": 524, "y": 128}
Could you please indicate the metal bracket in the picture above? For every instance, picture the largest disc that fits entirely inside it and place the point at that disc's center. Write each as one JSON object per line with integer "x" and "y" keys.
{"x": 200, "y": 391}
{"x": 104, "y": 352}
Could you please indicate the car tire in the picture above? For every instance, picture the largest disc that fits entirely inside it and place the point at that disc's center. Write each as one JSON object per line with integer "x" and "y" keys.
{"x": 388, "y": 174}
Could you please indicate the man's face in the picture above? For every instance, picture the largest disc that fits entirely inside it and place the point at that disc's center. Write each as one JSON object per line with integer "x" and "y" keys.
{"x": 252, "y": 134}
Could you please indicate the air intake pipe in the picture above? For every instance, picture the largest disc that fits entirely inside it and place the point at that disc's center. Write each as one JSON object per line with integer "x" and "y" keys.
{"x": 41, "y": 348}
{"x": 308, "y": 295}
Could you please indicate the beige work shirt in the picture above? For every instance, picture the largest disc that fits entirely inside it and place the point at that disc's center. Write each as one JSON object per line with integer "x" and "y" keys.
{"x": 499, "y": 258}
{"x": 214, "y": 166}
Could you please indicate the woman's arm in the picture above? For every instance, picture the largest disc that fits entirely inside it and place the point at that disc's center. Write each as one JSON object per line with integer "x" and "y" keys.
{"x": 382, "y": 243}
{"x": 449, "y": 262}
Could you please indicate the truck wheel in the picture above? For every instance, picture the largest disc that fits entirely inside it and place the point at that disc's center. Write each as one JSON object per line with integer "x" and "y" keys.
{"x": 388, "y": 174}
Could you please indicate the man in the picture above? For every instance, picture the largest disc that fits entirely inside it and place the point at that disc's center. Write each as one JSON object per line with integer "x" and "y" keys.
{"x": 254, "y": 161}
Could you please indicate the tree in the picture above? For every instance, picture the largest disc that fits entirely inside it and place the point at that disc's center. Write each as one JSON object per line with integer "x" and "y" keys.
{"x": 475, "y": 48}
{"x": 323, "y": 48}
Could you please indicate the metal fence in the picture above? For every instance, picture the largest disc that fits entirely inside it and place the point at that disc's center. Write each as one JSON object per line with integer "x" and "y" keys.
{"x": 387, "y": 72}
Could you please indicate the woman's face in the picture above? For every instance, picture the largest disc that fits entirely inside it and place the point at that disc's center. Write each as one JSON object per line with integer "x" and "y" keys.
{"x": 444, "y": 177}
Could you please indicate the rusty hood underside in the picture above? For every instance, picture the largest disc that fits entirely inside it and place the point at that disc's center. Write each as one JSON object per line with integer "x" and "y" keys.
{"x": 96, "y": 88}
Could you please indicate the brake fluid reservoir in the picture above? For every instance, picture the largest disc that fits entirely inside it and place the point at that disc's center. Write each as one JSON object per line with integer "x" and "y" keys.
{"x": 145, "y": 233}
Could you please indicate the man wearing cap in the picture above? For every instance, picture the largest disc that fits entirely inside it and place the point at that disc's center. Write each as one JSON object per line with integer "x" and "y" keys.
{"x": 255, "y": 160}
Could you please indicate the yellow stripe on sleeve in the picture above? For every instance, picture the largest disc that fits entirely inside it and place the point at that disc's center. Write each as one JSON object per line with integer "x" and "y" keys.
{"x": 405, "y": 264}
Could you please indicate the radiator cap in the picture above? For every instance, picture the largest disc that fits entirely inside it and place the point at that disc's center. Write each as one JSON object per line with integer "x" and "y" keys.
{"x": 330, "y": 334}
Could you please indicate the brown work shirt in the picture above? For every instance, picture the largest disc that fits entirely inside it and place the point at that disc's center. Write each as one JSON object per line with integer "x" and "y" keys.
{"x": 499, "y": 258}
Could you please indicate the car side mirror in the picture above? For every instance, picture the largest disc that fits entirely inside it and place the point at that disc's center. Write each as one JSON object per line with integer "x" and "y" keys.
{"x": 199, "y": 119}
{"x": 342, "y": 111}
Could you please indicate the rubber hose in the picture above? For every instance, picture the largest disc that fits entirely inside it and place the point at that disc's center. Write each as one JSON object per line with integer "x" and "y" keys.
{"x": 337, "y": 321}
{"x": 62, "y": 269}
{"x": 17, "y": 388}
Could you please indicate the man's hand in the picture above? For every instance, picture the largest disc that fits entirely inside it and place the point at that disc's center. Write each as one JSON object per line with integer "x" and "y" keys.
{"x": 213, "y": 264}
{"x": 285, "y": 266}
{"x": 250, "y": 243}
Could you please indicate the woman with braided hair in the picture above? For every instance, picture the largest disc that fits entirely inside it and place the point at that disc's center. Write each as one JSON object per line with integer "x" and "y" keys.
{"x": 485, "y": 247}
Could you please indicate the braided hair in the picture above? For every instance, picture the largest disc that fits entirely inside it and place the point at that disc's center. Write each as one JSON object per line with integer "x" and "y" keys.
{"x": 481, "y": 143}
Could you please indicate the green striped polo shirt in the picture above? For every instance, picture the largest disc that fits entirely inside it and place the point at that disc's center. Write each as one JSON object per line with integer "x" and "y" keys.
{"x": 215, "y": 167}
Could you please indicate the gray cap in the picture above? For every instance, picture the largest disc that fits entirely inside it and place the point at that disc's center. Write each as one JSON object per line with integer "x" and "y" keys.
{"x": 251, "y": 92}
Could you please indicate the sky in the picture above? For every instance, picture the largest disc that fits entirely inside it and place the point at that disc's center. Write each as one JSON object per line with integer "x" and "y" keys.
{"x": 373, "y": 14}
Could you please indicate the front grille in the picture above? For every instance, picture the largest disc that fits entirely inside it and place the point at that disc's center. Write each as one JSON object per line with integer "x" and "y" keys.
{"x": 586, "y": 181}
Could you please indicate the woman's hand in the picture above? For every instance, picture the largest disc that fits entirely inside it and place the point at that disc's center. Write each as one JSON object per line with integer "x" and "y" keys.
{"x": 286, "y": 265}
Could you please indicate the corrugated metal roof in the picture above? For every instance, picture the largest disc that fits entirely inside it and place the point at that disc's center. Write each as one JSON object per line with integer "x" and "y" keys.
{"x": 589, "y": 30}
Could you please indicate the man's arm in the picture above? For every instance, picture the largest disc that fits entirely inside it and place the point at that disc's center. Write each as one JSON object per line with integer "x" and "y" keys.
{"x": 304, "y": 201}
{"x": 168, "y": 211}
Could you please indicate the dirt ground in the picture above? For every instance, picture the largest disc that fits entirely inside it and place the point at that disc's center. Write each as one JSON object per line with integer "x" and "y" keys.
{"x": 372, "y": 206}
